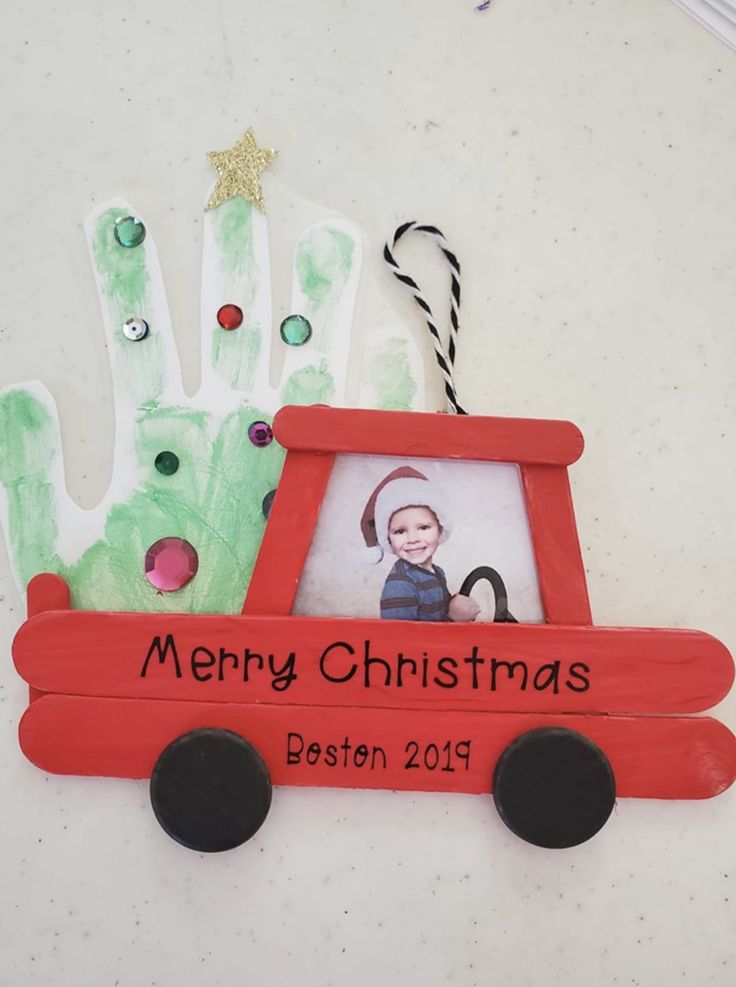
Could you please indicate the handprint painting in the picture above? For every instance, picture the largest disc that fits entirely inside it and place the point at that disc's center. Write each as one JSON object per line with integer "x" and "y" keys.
{"x": 398, "y": 540}
{"x": 193, "y": 476}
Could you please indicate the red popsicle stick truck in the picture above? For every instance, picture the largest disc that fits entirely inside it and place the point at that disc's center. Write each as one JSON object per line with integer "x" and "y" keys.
{"x": 556, "y": 719}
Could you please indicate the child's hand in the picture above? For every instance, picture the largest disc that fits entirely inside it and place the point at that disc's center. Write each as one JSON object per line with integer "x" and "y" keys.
{"x": 214, "y": 499}
{"x": 462, "y": 609}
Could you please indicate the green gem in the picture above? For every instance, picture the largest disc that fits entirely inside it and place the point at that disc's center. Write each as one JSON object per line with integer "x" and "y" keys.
{"x": 129, "y": 231}
{"x": 167, "y": 463}
{"x": 295, "y": 330}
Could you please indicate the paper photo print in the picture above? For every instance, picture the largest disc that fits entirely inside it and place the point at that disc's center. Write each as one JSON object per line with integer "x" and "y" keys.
{"x": 422, "y": 539}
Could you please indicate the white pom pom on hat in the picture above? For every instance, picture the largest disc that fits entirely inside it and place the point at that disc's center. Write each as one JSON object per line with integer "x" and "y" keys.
{"x": 404, "y": 487}
{"x": 373, "y": 554}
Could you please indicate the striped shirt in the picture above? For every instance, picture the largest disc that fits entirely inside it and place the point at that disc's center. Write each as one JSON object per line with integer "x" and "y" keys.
{"x": 413, "y": 593}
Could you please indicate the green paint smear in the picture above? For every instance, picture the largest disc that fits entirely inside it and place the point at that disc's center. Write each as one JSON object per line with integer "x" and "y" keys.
{"x": 310, "y": 385}
{"x": 390, "y": 373}
{"x": 29, "y": 444}
{"x": 235, "y": 353}
{"x": 213, "y": 501}
{"x": 125, "y": 281}
{"x": 324, "y": 260}
{"x": 232, "y": 223}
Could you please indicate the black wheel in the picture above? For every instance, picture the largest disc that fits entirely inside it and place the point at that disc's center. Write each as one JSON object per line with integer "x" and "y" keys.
{"x": 210, "y": 790}
{"x": 554, "y": 787}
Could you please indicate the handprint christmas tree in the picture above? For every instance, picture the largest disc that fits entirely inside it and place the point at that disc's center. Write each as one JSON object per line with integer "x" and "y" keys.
{"x": 199, "y": 471}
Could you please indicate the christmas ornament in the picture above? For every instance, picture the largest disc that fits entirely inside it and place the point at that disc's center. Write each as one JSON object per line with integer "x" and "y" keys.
{"x": 524, "y": 698}
{"x": 166, "y": 463}
{"x": 135, "y": 329}
{"x": 230, "y": 316}
{"x": 129, "y": 231}
{"x": 170, "y": 564}
{"x": 295, "y": 330}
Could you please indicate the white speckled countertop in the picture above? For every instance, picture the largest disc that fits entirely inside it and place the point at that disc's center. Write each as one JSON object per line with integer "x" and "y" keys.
{"x": 580, "y": 157}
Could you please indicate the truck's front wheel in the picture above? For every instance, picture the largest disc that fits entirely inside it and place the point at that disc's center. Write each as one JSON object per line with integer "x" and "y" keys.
{"x": 210, "y": 790}
{"x": 554, "y": 787}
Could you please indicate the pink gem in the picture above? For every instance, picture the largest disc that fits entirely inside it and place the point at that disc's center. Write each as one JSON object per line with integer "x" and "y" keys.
{"x": 170, "y": 564}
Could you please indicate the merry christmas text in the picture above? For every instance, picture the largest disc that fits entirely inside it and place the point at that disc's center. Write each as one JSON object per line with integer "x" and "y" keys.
{"x": 340, "y": 662}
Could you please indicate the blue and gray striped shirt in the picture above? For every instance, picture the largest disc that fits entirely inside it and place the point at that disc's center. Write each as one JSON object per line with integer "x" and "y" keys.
{"x": 413, "y": 593}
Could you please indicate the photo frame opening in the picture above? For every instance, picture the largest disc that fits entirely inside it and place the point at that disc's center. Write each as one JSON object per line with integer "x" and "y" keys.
{"x": 373, "y": 555}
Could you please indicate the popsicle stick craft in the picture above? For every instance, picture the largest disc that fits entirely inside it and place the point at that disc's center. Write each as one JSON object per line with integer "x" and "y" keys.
{"x": 461, "y": 657}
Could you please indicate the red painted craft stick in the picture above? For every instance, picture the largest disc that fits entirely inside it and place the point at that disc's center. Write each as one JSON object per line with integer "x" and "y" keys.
{"x": 373, "y": 663}
{"x": 435, "y": 436}
{"x": 411, "y": 750}
{"x": 288, "y": 534}
{"x": 559, "y": 561}
{"x": 47, "y": 591}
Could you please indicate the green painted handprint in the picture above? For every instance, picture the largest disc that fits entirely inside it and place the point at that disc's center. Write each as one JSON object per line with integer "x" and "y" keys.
{"x": 215, "y": 498}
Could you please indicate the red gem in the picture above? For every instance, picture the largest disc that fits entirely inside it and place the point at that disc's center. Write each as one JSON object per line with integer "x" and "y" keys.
{"x": 170, "y": 564}
{"x": 230, "y": 316}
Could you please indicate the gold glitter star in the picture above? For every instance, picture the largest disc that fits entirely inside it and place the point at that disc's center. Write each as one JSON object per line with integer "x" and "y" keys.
{"x": 240, "y": 171}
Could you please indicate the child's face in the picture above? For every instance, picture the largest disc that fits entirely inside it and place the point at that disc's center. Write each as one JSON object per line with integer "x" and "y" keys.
{"x": 414, "y": 534}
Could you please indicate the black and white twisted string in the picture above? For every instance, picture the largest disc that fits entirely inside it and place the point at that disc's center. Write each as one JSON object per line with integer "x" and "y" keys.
{"x": 446, "y": 362}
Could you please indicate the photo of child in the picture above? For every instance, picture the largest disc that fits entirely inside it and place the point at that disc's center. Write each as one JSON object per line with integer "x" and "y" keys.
{"x": 397, "y": 539}
{"x": 407, "y": 516}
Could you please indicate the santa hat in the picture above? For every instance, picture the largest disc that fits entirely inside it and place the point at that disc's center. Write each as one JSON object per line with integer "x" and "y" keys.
{"x": 404, "y": 487}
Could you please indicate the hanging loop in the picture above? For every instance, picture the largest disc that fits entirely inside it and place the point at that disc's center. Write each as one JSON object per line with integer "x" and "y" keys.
{"x": 445, "y": 361}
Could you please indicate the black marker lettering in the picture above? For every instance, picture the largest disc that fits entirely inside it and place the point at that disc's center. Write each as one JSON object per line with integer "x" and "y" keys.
{"x": 575, "y": 674}
{"x": 375, "y": 751}
{"x": 400, "y": 668}
{"x": 284, "y": 675}
{"x": 248, "y": 657}
{"x": 345, "y": 748}
{"x": 323, "y": 663}
{"x": 474, "y": 660}
{"x": 369, "y": 662}
{"x": 226, "y": 656}
{"x": 510, "y": 667}
{"x": 443, "y": 669}
{"x": 161, "y": 653}
{"x": 294, "y": 748}
{"x": 552, "y": 673}
{"x": 331, "y": 755}
{"x": 207, "y": 662}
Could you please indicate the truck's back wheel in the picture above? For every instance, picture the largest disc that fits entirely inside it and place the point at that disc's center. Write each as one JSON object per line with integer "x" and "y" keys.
{"x": 554, "y": 787}
{"x": 210, "y": 790}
